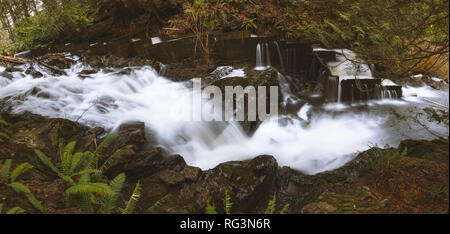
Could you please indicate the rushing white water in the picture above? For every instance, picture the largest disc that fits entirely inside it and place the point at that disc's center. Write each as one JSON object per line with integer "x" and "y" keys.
{"x": 315, "y": 140}
{"x": 262, "y": 56}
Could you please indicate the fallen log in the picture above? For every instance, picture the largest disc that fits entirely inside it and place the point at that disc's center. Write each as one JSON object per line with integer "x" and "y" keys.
{"x": 13, "y": 60}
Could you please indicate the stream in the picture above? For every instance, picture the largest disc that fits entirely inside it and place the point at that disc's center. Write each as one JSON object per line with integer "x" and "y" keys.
{"x": 318, "y": 138}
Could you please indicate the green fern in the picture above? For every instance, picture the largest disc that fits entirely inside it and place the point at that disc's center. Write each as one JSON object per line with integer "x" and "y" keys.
{"x": 10, "y": 179}
{"x": 227, "y": 202}
{"x": 210, "y": 209}
{"x": 5, "y": 167}
{"x": 109, "y": 201}
{"x": 285, "y": 209}
{"x": 104, "y": 145}
{"x": 15, "y": 210}
{"x": 271, "y": 205}
{"x": 134, "y": 198}
{"x": 19, "y": 170}
{"x": 3, "y": 122}
{"x": 159, "y": 203}
{"x": 72, "y": 164}
{"x": 88, "y": 188}
{"x": 380, "y": 159}
{"x": 107, "y": 164}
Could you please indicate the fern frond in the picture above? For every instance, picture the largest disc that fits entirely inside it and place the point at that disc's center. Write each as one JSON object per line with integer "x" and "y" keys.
{"x": 104, "y": 145}
{"x": 76, "y": 159}
{"x": 66, "y": 157}
{"x": 3, "y": 122}
{"x": 88, "y": 188}
{"x": 35, "y": 202}
{"x": 6, "y": 170}
{"x": 107, "y": 164}
{"x": 22, "y": 168}
{"x": 46, "y": 161}
{"x": 134, "y": 198}
{"x": 86, "y": 203}
{"x": 19, "y": 188}
{"x": 86, "y": 171}
{"x": 15, "y": 210}
{"x": 210, "y": 209}
{"x": 159, "y": 203}
{"x": 109, "y": 202}
{"x": 227, "y": 202}
{"x": 285, "y": 209}
{"x": 271, "y": 206}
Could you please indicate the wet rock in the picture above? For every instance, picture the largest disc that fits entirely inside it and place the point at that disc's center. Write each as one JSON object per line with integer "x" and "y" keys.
{"x": 57, "y": 60}
{"x": 250, "y": 184}
{"x": 32, "y": 71}
{"x": 136, "y": 165}
{"x": 188, "y": 69}
{"x": 172, "y": 178}
{"x": 266, "y": 78}
{"x": 13, "y": 69}
{"x": 435, "y": 150}
{"x": 98, "y": 62}
{"x": 29, "y": 131}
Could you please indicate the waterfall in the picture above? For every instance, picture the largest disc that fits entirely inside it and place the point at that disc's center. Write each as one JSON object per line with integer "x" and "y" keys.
{"x": 332, "y": 89}
{"x": 267, "y": 52}
{"x": 262, "y": 56}
{"x": 280, "y": 56}
{"x": 313, "y": 140}
{"x": 259, "y": 62}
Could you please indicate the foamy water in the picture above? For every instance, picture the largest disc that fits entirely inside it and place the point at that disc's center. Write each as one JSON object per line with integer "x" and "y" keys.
{"x": 314, "y": 140}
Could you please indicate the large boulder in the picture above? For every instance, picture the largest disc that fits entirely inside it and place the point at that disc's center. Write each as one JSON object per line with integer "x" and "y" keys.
{"x": 254, "y": 78}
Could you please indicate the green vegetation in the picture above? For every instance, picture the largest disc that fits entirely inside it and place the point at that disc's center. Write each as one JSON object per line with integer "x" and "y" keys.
{"x": 400, "y": 36}
{"x": 32, "y": 27}
{"x": 403, "y": 36}
{"x": 384, "y": 159}
{"x": 77, "y": 169}
{"x": 227, "y": 204}
{"x": 3, "y": 135}
{"x": 9, "y": 178}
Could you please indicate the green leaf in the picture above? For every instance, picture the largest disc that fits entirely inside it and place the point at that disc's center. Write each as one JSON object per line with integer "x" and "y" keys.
{"x": 227, "y": 202}
{"x": 5, "y": 170}
{"x": 271, "y": 206}
{"x": 89, "y": 188}
{"x": 109, "y": 202}
{"x": 22, "y": 168}
{"x": 104, "y": 145}
{"x": 210, "y": 209}
{"x": 159, "y": 203}
{"x": 19, "y": 188}
{"x": 3, "y": 122}
{"x": 285, "y": 209}
{"x": 35, "y": 202}
{"x": 15, "y": 210}
{"x": 134, "y": 198}
{"x": 46, "y": 161}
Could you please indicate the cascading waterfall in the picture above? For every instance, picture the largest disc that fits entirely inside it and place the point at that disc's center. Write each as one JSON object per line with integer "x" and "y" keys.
{"x": 280, "y": 56}
{"x": 345, "y": 69}
{"x": 259, "y": 62}
{"x": 267, "y": 52}
{"x": 333, "y": 88}
{"x": 262, "y": 56}
{"x": 313, "y": 140}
